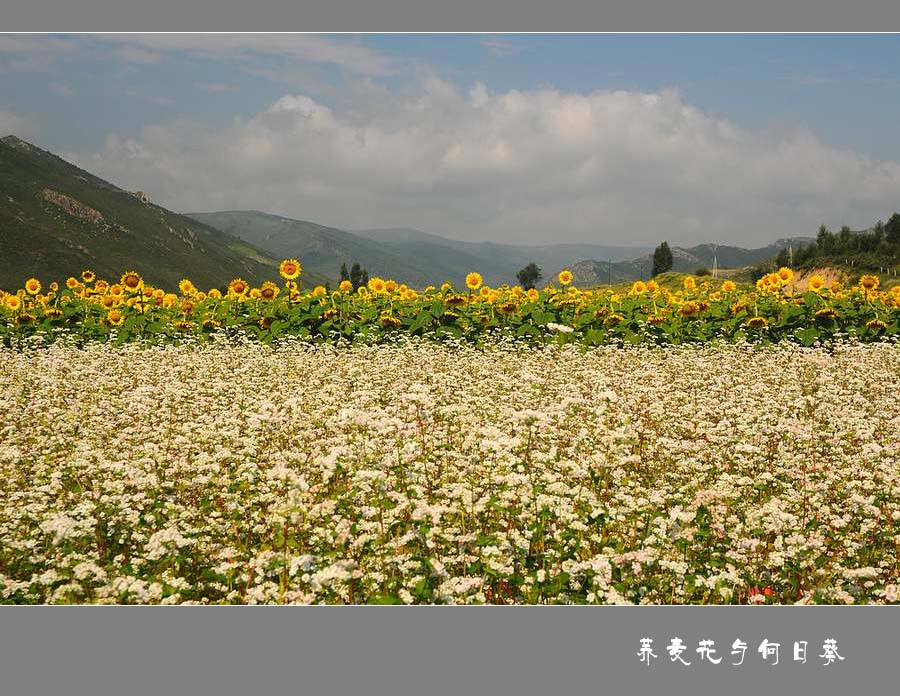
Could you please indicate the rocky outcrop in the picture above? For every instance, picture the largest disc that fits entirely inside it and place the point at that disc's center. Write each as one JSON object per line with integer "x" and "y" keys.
{"x": 72, "y": 207}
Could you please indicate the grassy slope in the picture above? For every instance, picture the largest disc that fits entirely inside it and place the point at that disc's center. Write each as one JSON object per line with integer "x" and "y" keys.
{"x": 40, "y": 239}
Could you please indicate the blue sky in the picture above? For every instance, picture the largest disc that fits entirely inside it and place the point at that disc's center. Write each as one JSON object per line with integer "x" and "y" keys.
{"x": 833, "y": 98}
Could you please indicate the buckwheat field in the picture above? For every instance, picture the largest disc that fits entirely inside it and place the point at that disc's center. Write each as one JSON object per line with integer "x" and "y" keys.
{"x": 420, "y": 472}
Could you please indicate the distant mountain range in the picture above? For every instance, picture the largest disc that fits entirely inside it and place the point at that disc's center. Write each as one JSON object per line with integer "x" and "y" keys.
{"x": 57, "y": 219}
{"x": 407, "y": 255}
{"x": 684, "y": 260}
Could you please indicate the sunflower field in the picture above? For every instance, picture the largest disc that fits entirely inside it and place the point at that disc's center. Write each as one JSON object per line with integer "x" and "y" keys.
{"x": 92, "y": 309}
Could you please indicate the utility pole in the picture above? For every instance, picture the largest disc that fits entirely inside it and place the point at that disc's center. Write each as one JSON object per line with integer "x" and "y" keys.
{"x": 609, "y": 272}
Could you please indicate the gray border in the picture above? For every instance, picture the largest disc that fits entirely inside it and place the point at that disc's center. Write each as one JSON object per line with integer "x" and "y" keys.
{"x": 439, "y": 650}
{"x": 455, "y": 15}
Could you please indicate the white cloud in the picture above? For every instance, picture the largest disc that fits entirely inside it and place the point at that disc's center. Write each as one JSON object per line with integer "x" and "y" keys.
{"x": 532, "y": 166}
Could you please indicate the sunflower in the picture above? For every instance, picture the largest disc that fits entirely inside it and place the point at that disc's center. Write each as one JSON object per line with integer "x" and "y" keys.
{"x": 390, "y": 286}
{"x": 13, "y": 302}
{"x": 652, "y": 286}
{"x": 214, "y": 294}
{"x": 268, "y": 291}
{"x": 72, "y": 283}
{"x": 728, "y": 286}
{"x": 131, "y": 281}
{"x": 533, "y": 294}
{"x": 329, "y": 313}
{"x": 376, "y": 285}
{"x": 785, "y": 275}
{"x": 115, "y": 317}
{"x": 290, "y": 269}
{"x": 319, "y": 291}
{"x": 88, "y": 276}
{"x": 169, "y": 300}
{"x": 826, "y": 314}
{"x": 508, "y": 308}
{"x": 346, "y": 286}
{"x": 456, "y": 300}
{"x": 485, "y": 291}
{"x": 757, "y": 322}
{"x": 238, "y": 287}
{"x": 108, "y": 302}
{"x": 689, "y": 309}
{"x": 613, "y": 319}
{"x": 53, "y": 312}
{"x": 815, "y": 283}
{"x": 186, "y": 287}
{"x": 875, "y": 324}
{"x": 690, "y": 283}
{"x": 869, "y": 282}
{"x": 474, "y": 280}
{"x": 638, "y": 288}
{"x": 32, "y": 286}
{"x": 389, "y": 320}
{"x": 565, "y": 276}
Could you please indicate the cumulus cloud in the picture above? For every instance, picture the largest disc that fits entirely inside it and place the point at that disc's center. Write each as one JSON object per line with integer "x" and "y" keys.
{"x": 529, "y": 166}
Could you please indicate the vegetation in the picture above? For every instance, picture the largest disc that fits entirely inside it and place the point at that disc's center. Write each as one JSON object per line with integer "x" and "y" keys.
{"x": 662, "y": 259}
{"x": 419, "y": 472}
{"x": 698, "y": 311}
{"x": 529, "y": 276}
{"x": 875, "y": 251}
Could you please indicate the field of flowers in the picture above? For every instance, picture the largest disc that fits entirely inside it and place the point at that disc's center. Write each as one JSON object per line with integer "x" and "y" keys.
{"x": 92, "y": 309}
{"x": 418, "y": 471}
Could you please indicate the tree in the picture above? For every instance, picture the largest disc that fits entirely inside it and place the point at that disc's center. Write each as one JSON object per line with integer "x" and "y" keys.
{"x": 364, "y": 279}
{"x": 662, "y": 259}
{"x": 529, "y": 276}
{"x": 355, "y": 275}
{"x": 702, "y": 271}
{"x": 344, "y": 274}
{"x": 892, "y": 229}
{"x": 783, "y": 258}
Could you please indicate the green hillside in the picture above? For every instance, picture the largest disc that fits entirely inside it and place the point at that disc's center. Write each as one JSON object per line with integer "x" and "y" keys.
{"x": 57, "y": 220}
{"x": 323, "y": 249}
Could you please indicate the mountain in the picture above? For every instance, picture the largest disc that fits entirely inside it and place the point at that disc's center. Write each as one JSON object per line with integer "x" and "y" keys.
{"x": 497, "y": 262}
{"x": 684, "y": 260}
{"x": 57, "y": 220}
{"x": 405, "y": 254}
{"x": 323, "y": 249}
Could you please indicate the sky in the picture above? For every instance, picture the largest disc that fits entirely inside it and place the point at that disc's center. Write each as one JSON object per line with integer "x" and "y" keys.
{"x": 526, "y": 138}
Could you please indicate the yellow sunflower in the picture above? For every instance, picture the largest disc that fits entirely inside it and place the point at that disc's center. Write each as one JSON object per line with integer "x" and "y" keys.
{"x": 131, "y": 281}
{"x": 757, "y": 322}
{"x": 13, "y": 302}
{"x": 728, "y": 286}
{"x": 815, "y": 283}
{"x": 32, "y": 286}
{"x": 268, "y": 291}
{"x": 290, "y": 269}
{"x": 869, "y": 282}
{"x": 238, "y": 287}
{"x": 115, "y": 317}
{"x": 785, "y": 275}
{"x": 346, "y": 286}
{"x": 639, "y": 287}
{"x": 474, "y": 280}
{"x": 88, "y": 276}
{"x": 565, "y": 276}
